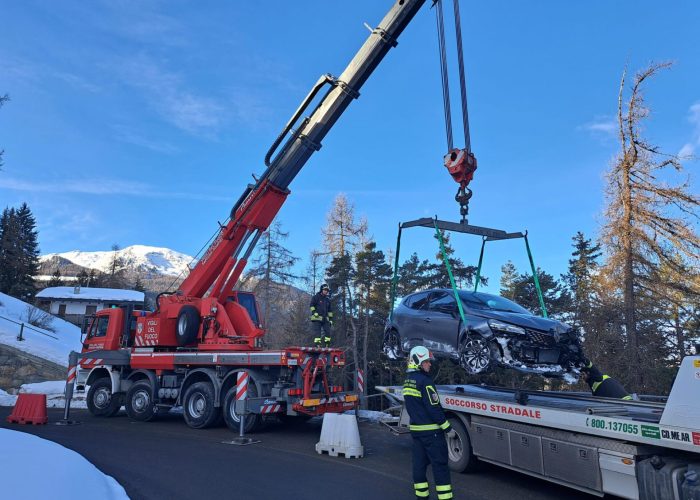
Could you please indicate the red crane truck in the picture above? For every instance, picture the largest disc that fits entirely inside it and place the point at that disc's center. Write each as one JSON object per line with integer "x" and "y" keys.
{"x": 189, "y": 350}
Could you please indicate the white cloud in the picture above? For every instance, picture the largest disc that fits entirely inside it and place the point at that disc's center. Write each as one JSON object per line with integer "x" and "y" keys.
{"x": 689, "y": 148}
{"x": 125, "y": 134}
{"x": 601, "y": 125}
{"x": 168, "y": 95}
{"x": 103, "y": 186}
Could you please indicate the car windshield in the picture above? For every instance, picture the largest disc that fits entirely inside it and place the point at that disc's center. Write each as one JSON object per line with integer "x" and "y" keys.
{"x": 478, "y": 300}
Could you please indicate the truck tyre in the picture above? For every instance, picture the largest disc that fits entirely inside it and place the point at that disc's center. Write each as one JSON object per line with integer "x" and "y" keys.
{"x": 459, "y": 450}
{"x": 198, "y": 405}
{"x": 140, "y": 404}
{"x": 232, "y": 419}
{"x": 187, "y": 325}
{"x": 100, "y": 400}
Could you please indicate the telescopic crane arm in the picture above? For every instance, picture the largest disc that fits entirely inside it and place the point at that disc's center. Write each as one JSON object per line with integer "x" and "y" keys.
{"x": 217, "y": 272}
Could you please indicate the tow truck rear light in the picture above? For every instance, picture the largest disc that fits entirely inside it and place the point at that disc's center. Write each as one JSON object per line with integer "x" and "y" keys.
{"x": 311, "y": 402}
{"x": 295, "y": 392}
{"x": 351, "y": 397}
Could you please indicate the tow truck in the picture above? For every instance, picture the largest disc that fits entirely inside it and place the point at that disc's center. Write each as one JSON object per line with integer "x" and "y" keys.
{"x": 644, "y": 449}
{"x": 189, "y": 351}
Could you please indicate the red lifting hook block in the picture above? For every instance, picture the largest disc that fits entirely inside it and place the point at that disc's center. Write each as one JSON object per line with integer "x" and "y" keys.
{"x": 29, "y": 409}
{"x": 461, "y": 165}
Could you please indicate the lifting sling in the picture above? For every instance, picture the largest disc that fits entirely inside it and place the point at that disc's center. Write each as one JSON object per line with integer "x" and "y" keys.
{"x": 487, "y": 234}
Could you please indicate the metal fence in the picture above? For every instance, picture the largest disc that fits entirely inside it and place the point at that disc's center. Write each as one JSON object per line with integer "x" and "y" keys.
{"x": 21, "y": 326}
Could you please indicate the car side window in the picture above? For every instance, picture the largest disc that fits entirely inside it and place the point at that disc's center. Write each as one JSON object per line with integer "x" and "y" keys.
{"x": 419, "y": 301}
{"x": 442, "y": 301}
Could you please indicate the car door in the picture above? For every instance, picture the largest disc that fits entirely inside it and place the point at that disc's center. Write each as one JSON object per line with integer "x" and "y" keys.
{"x": 410, "y": 322}
{"x": 442, "y": 321}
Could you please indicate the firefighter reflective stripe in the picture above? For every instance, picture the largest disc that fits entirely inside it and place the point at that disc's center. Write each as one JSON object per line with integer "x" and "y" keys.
{"x": 444, "y": 491}
{"x": 445, "y": 425}
{"x": 595, "y": 385}
{"x": 628, "y": 397}
{"x": 421, "y": 490}
{"x": 330, "y": 314}
{"x": 425, "y": 427}
{"x": 432, "y": 395}
{"x": 407, "y": 391}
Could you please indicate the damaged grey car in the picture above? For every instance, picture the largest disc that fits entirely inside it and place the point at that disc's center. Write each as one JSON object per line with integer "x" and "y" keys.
{"x": 496, "y": 332}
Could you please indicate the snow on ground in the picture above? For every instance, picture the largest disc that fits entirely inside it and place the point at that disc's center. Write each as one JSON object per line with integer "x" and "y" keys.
{"x": 371, "y": 415}
{"x": 44, "y": 346}
{"x": 31, "y": 468}
{"x": 54, "y": 390}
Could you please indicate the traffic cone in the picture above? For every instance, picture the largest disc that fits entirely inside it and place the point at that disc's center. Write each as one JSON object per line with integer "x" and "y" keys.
{"x": 29, "y": 409}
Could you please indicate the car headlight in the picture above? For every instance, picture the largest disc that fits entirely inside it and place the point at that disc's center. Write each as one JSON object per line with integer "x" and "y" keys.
{"x": 498, "y": 326}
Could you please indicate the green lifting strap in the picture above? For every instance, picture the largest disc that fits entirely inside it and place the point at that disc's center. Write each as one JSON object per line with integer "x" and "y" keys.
{"x": 395, "y": 278}
{"x": 449, "y": 273}
{"x": 481, "y": 260}
{"x": 536, "y": 279}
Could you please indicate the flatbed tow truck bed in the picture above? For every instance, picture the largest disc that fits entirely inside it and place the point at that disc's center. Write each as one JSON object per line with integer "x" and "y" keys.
{"x": 646, "y": 449}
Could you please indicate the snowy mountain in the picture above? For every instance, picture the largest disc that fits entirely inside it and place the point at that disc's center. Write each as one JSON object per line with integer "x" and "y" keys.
{"x": 141, "y": 258}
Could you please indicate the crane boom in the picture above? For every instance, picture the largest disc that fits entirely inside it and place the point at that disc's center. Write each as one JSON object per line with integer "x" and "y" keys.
{"x": 217, "y": 272}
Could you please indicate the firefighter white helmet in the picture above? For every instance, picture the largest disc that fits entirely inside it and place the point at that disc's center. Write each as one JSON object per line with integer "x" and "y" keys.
{"x": 419, "y": 354}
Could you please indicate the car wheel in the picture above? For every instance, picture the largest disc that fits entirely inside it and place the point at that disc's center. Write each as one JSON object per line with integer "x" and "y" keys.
{"x": 392, "y": 344}
{"x": 475, "y": 355}
{"x": 459, "y": 449}
{"x": 100, "y": 400}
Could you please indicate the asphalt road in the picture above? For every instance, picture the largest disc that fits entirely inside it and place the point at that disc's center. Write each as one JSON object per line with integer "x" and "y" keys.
{"x": 167, "y": 460}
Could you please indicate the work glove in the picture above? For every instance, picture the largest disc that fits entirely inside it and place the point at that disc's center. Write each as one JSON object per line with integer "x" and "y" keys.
{"x": 451, "y": 434}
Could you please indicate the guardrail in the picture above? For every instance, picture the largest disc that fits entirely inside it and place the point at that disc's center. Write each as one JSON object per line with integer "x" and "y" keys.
{"x": 22, "y": 326}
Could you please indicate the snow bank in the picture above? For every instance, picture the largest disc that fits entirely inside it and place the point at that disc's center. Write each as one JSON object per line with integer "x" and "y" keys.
{"x": 43, "y": 346}
{"x": 31, "y": 468}
{"x": 54, "y": 394}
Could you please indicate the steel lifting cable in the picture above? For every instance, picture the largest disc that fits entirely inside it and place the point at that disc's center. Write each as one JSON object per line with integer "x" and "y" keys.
{"x": 444, "y": 75}
{"x": 462, "y": 78}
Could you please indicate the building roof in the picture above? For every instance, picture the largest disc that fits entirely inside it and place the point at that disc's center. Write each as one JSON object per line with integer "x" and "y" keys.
{"x": 86, "y": 293}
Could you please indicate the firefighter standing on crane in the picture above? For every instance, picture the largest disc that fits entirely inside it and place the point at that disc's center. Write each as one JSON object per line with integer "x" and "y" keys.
{"x": 428, "y": 426}
{"x": 321, "y": 316}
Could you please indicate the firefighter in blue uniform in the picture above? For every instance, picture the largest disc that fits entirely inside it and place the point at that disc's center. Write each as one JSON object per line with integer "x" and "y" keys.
{"x": 602, "y": 384}
{"x": 321, "y": 316}
{"x": 428, "y": 426}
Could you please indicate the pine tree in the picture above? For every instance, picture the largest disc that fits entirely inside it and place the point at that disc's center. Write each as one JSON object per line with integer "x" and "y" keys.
{"x": 55, "y": 279}
{"x": 579, "y": 278}
{"x": 509, "y": 277}
{"x": 138, "y": 284}
{"x": 649, "y": 223}
{"x": 463, "y": 275}
{"x": 19, "y": 252}
{"x": 522, "y": 290}
{"x": 412, "y": 276}
{"x": 115, "y": 274}
{"x": 272, "y": 272}
{"x": 372, "y": 281}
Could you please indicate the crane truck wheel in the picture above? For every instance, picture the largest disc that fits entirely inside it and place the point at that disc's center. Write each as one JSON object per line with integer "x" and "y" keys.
{"x": 233, "y": 419}
{"x": 459, "y": 449}
{"x": 187, "y": 325}
{"x": 198, "y": 405}
{"x": 140, "y": 404}
{"x": 100, "y": 400}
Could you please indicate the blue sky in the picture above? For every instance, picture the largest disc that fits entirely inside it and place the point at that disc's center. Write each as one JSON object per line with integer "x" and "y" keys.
{"x": 142, "y": 122}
